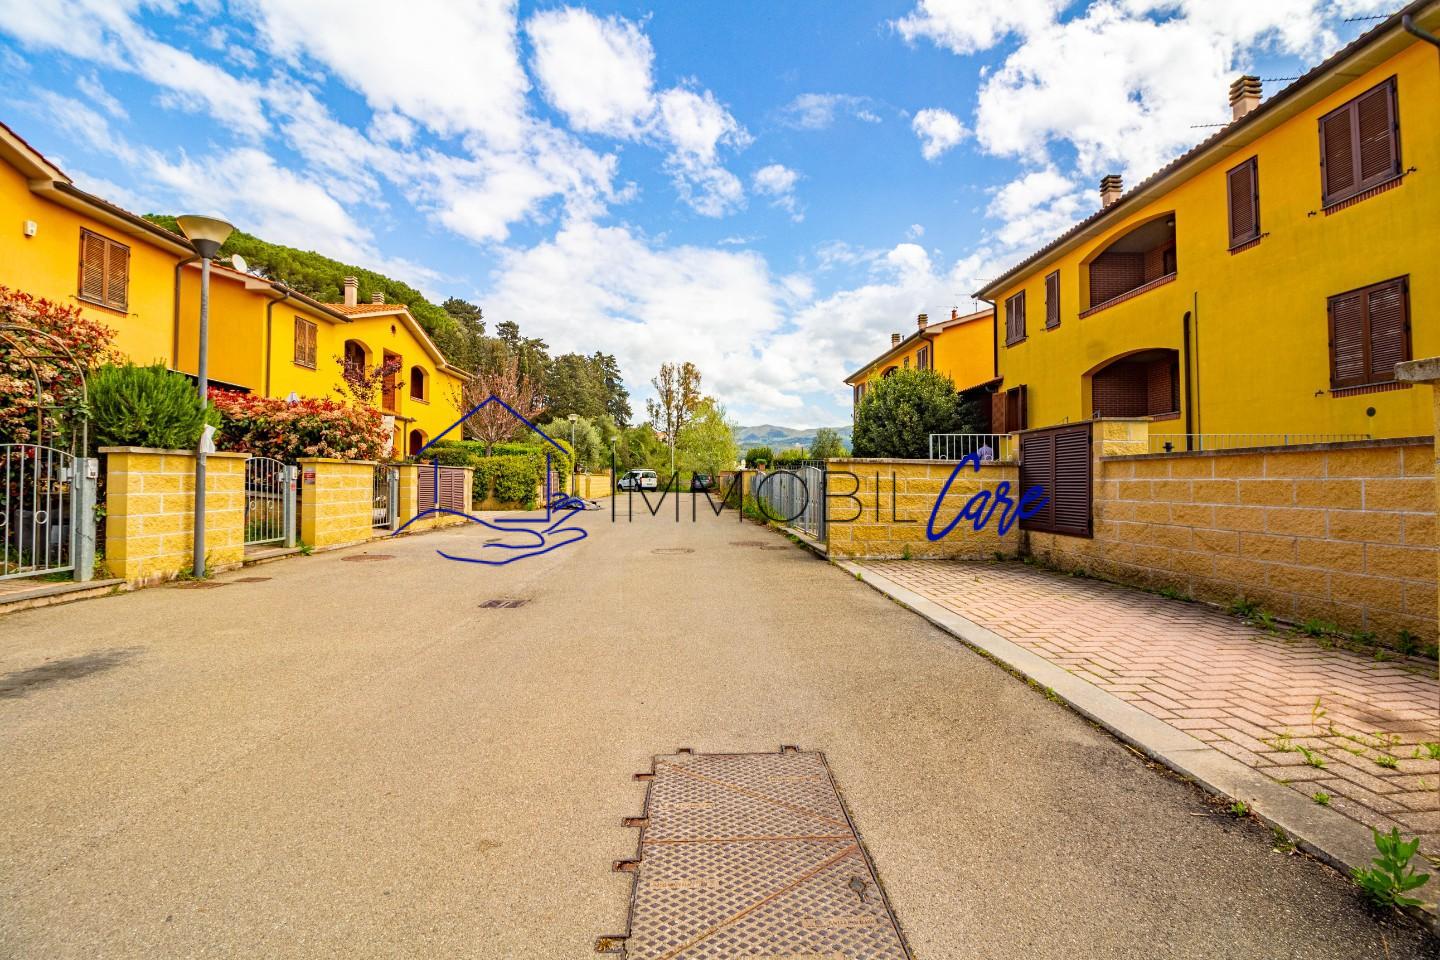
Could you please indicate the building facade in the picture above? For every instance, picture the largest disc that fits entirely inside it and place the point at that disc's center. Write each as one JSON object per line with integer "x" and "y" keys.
{"x": 143, "y": 282}
{"x": 961, "y": 347}
{"x": 1266, "y": 282}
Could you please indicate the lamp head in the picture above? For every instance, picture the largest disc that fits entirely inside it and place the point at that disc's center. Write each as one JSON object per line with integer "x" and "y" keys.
{"x": 573, "y": 417}
{"x": 205, "y": 234}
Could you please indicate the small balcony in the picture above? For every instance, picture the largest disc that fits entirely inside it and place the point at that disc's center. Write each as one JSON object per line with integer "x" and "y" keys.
{"x": 1134, "y": 263}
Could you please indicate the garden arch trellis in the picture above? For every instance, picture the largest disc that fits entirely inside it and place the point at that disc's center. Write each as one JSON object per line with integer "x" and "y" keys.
{"x": 47, "y": 494}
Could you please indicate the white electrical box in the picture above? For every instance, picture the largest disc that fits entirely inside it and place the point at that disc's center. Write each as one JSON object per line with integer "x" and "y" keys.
{"x": 31, "y": 228}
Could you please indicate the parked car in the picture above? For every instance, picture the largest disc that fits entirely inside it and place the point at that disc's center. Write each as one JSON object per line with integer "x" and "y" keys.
{"x": 639, "y": 480}
{"x": 701, "y": 482}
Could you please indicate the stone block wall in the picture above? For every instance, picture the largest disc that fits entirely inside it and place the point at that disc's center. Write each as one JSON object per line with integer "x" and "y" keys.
{"x": 150, "y": 509}
{"x": 336, "y": 501}
{"x": 892, "y": 503}
{"x": 1342, "y": 532}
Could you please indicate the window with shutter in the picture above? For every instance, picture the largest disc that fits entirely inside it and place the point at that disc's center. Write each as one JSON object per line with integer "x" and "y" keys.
{"x": 104, "y": 271}
{"x": 305, "y": 342}
{"x": 1360, "y": 144}
{"x": 1052, "y": 300}
{"x": 1369, "y": 333}
{"x": 1243, "y": 183}
{"x": 1015, "y": 318}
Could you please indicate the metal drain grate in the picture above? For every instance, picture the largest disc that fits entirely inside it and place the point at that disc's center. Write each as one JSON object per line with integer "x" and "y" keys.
{"x": 747, "y": 543}
{"x": 749, "y": 855}
{"x": 365, "y": 557}
{"x": 199, "y": 585}
{"x": 250, "y": 580}
{"x": 504, "y": 604}
{"x": 672, "y": 550}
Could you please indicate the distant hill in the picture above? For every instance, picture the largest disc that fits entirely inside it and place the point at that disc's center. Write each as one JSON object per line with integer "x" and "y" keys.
{"x": 783, "y": 438}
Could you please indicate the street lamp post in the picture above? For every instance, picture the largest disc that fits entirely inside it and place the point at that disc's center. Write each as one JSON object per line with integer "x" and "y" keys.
{"x": 574, "y": 461}
{"x": 206, "y": 234}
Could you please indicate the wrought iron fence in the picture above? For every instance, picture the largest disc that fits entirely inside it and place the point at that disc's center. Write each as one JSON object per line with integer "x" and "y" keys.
{"x": 957, "y": 446}
{"x": 383, "y": 497}
{"x": 269, "y": 501}
{"x": 1182, "y": 442}
{"x": 36, "y": 510}
{"x": 795, "y": 494}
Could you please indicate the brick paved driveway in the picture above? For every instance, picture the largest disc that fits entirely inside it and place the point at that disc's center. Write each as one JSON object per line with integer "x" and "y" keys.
{"x": 1320, "y": 720}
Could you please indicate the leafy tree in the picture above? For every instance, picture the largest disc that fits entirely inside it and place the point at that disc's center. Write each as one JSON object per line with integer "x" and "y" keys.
{"x": 707, "y": 441}
{"x": 617, "y": 398}
{"x": 639, "y": 447}
{"x": 591, "y": 450}
{"x": 677, "y": 395}
{"x": 150, "y": 406}
{"x": 898, "y": 413}
{"x": 494, "y": 424}
{"x": 757, "y": 455}
{"x": 574, "y": 385}
{"x": 827, "y": 444}
{"x": 24, "y": 358}
{"x": 465, "y": 345}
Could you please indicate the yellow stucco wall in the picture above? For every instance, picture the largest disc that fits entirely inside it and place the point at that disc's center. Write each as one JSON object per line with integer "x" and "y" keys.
{"x": 237, "y": 318}
{"x": 150, "y": 506}
{"x": 1261, "y": 343}
{"x": 336, "y": 502}
{"x": 48, "y": 265}
{"x": 963, "y": 352}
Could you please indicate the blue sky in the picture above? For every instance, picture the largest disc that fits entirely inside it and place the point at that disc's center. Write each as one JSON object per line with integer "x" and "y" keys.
{"x": 766, "y": 189}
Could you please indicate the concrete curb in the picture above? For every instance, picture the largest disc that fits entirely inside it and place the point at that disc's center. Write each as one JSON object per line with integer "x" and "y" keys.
{"x": 1327, "y": 835}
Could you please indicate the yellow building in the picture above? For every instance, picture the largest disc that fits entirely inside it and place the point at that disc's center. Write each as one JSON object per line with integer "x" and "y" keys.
{"x": 961, "y": 348}
{"x": 1266, "y": 282}
{"x": 143, "y": 282}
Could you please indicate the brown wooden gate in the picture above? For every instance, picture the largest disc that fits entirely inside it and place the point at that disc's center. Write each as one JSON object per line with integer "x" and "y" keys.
{"x": 450, "y": 485}
{"x": 1058, "y": 460}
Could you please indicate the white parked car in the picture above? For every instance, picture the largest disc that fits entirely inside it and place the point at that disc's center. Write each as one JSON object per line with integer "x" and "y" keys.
{"x": 639, "y": 480}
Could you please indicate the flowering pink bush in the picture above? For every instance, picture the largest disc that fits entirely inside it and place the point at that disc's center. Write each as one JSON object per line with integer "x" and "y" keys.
{"x": 87, "y": 340}
{"x": 309, "y": 427}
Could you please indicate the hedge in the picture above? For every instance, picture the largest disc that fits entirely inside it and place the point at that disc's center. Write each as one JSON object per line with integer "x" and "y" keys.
{"x": 512, "y": 472}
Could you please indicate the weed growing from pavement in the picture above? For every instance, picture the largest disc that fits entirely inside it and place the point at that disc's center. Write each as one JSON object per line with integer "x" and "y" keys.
{"x": 1391, "y": 878}
{"x": 1244, "y": 608}
{"x": 1281, "y": 841}
{"x": 1387, "y": 761}
{"x": 1312, "y": 757}
{"x": 1428, "y": 751}
{"x": 1239, "y": 809}
{"x": 1319, "y": 629}
{"x": 1170, "y": 593}
{"x": 1321, "y": 797}
{"x": 1282, "y": 743}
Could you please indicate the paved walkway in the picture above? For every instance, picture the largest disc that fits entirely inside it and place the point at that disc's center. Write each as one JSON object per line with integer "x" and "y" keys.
{"x": 365, "y": 760}
{"x": 1325, "y": 721}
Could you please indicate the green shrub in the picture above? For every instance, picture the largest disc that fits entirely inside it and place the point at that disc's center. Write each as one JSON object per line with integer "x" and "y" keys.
{"x": 898, "y": 413}
{"x": 756, "y": 454}
{"x": 132, "y": 406}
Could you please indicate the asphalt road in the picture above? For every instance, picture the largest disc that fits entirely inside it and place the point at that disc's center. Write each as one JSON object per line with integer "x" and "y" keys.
{"x": 358, "y": 760}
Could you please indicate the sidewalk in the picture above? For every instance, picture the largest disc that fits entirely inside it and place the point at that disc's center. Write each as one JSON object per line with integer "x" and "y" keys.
{"x": 1322, "y": 721}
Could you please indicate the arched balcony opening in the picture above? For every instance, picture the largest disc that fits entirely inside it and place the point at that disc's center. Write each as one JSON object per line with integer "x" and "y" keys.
{"x": 1142, "y": 384}
{"x": 357, "y": 356}
{"x": 419, "y": 384}
{"x": 1132, "y": 263}
{"x": 417, "y": 441}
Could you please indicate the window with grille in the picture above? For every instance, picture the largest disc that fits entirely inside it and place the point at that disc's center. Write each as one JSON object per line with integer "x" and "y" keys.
{"x": 1360, "y": 144}
{"x": 1369, "y": 333}
{"x": 304, "y": 343}
{"x": 104, "y": 271}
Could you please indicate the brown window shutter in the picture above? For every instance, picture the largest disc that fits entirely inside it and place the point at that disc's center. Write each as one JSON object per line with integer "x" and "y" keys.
{"x": 1037, "y": 469}
{"x": 1244, "y": 189}
{"x": 1015, "y": 318}
{"x": 1378, "y": 141}
{"x": 1347, "y": 339}
{"x": 299, "y": 341}
{"x": 1052, "y": 300}
{"x": 92, "y": 266}
{"x": 1387, "y": 310}
{"x": 1024, "y": 421}
{"x": 1337, "y": 154}
{"x": 997, "y": 413}
{"x": 1070, "y": 491}
{"x": 117, "y": 275}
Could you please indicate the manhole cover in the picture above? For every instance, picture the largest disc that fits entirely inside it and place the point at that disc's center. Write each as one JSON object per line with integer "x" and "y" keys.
{"x": 504, "y": 604}
{"x": 751, "y": 855}
{"x": 672, "y": 550}
{"x": 199, "y": 585}
{"x": 250, "y": 580}
{"x": 366, "y": 557}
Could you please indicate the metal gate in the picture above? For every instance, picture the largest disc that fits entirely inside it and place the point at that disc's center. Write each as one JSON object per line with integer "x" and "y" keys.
{"x": 39, "y": 502}
{"x": 269, "y": 502}
{"x": 795, "y": 495}
{"x": 442, "y": 487}
{"x": 383, "y": 497}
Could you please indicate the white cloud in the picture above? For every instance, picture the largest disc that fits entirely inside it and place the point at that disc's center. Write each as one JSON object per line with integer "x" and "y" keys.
{"x": 777, "y": 181}
{"x": 966, "y": 26}
{"x": 697, "y": 125}
{"x": 915, "y": 232}
{"x": 817, "y": 111}
{"x": 89, "y": 84}
{"x": 1034, "y": 207}
{"x": 596, "y": 72}
{"x": 938, "y": 130}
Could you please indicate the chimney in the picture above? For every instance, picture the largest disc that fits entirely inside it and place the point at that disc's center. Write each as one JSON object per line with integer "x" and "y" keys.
{"x": 954, "y": 314}
{"x": 352, "y": 291}
{"x": 922, "y": 321}
{"x": 895, "y": 339}
{"x": 1111, "y": 186}
{"x": 1244, "y": 96}
{"x": 377, "y": 298}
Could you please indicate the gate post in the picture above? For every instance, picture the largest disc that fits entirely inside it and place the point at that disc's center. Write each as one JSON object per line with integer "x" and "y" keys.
{"x": 287, "y": 503}
{"x": 82, "y": 517}
{"x": 392, "y": 475}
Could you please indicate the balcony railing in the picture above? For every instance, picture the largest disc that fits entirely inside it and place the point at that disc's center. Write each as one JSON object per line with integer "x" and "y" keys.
{"x": 957, "y": 446}
{"x": 1182, "y": 442}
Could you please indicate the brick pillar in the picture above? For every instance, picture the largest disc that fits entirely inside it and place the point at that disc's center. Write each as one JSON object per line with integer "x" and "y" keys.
{"x": 1120, "y": 437}
{"x": 409, "y": 503}
{"x": 338, "y": 501}
{"x": 150, "y": 511}
{"x": 1427, "y": 371}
